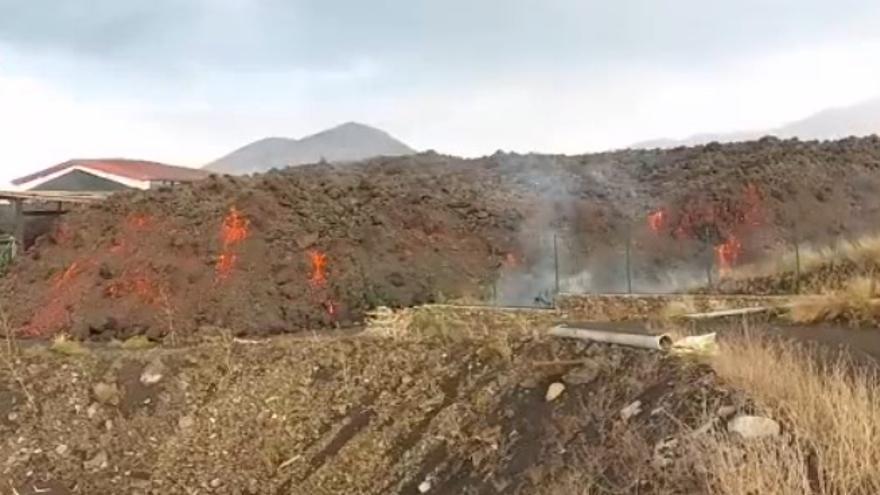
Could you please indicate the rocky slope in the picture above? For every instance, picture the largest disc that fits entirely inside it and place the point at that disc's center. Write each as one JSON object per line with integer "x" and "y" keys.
{"x": 316, "y": 246}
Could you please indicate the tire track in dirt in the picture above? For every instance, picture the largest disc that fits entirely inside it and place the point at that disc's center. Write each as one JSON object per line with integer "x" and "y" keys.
{"x": 357, "y": 422}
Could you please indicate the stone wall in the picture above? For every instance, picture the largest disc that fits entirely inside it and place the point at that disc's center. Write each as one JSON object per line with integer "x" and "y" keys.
{"x": 604, "y": 307}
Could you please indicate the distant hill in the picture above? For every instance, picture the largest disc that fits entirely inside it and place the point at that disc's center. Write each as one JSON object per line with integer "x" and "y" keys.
{"x": 344, "y": 143}
{"x": 862, "y": 119}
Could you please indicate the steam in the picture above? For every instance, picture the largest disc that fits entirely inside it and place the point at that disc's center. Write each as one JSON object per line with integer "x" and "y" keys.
{"x": 560, "y": 248}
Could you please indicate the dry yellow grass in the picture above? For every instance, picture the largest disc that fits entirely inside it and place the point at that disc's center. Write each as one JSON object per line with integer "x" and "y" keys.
{"x": 862, "y": 251}
{"x": 61, "y": 344}
{"x": 676, "y": 309}
{"x": 857, "y": 303}
{"x": 496, "y": 328}
{"x": 832, "y": 413}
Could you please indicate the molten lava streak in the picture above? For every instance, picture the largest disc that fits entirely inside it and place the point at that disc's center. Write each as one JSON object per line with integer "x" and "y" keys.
{"x": 727, "y": 253}
{"x": 657, "y": 220}
{"x": 234, "y": 231}
{"x": 68, "y": 275}
{"x": 54, "y": 313}
{"x": 318, "y": 282}
{"x": 235, "y": 228}
{"x": 319, "y": 268}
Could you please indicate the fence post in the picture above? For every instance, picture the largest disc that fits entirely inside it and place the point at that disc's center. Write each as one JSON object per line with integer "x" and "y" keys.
{"x": 710, "y": 258}
{"x": 556, "y": 261}
{"x": 629, "y": 282}
{"x": 797, "y": 260}
{"x": 709, "y": 272}
{"x": 18, "y": 229}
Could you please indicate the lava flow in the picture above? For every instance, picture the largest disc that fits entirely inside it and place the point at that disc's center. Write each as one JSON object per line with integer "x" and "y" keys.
{"x": 55, "y": 314}
{"x": 138, "y": 283}
{"x": 318, "y": 281}
{"x": 235, "y": 228}
{"x": 233, "y": 232}
{"x": 68, "y": 275}
{"x": 657, "y": 220}
{"x": 723, "y": 224}
{"x": 726, "y": 255}
{"x": 319, "y": 268}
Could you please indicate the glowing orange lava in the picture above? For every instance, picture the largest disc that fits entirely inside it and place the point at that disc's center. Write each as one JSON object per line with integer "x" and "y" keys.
{"x": 726, "y": 254}
{"x": 68, "y": 275}
{"x": 657, "y": 220}
{"x": 137, "y": 283}
{"x": 225, "y": 264}
{"x": 235, "y": 230}
{"x": 138, "y": 221}
{"x": 55, "y": 313}
{"x": 67, "y": 287}
{"x": 319, "y": 268}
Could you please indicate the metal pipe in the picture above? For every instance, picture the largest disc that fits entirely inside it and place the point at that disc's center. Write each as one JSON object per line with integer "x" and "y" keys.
{"x": 660, "y": 342}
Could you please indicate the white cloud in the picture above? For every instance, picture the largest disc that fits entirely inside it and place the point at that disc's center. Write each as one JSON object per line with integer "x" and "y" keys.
{"x": 44, "y": 122}
{"x": 571, "y": 113}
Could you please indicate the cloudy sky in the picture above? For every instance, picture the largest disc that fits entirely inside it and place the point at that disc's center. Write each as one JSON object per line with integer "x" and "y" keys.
{"x": 186, "y": 81}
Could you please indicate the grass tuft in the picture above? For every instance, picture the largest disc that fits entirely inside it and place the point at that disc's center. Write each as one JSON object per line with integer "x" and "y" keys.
{"x": 676, "y": 309}
{"x": 61, "y": 344}
{"x": 831, "y": 409}
{"x": 856, "y": 303}
{"x": 138, "y": 342}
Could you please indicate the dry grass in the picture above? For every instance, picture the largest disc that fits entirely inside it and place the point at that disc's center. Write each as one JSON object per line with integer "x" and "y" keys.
{"x": 862, "y": 251}
{"x": 61, "y": 344}
{"x": 385, "y": 322}
{"x": 676, "y": 309}
{"x": 856, "y": 303}
{"x": 455, "y": 323}
{"x": 831, "y": 409}
{"x": 496, "y": 328}
{"x": 136, "y": 343}
{"x": 10, "y": 356}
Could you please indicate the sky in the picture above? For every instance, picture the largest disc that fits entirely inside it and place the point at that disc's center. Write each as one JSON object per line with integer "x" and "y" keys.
{"x": 187, "y": 81}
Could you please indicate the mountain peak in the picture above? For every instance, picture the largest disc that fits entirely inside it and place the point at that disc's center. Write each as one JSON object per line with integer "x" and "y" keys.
{"x": 860, "y": 119}
{"x": 351, "y": 125}
{"x": 350, "y": 141}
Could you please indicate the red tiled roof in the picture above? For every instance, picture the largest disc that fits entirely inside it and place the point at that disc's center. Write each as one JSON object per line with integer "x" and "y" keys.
{"x": 131, "y": 169}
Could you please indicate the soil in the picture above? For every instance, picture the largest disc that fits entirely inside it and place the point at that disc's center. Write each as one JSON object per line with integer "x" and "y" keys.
{"x": 314, "y": 247}
{"x": 353, "y": 414}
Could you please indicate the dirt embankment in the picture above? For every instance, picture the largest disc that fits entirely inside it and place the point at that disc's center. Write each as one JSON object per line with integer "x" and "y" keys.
{"x": 314, "y": 247}
{"x": 353, "y": 414}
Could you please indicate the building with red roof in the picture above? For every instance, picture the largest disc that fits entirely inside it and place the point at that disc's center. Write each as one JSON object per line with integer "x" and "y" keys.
{"x": 107, "y": 175}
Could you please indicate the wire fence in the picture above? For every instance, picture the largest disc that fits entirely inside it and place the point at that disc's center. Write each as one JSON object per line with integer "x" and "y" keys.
{"x": 641, "y": 261}
{"x": 8, "y": 249}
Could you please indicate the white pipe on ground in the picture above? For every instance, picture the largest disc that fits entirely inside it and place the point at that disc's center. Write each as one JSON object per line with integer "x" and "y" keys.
{"x": 659, "y": 342}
